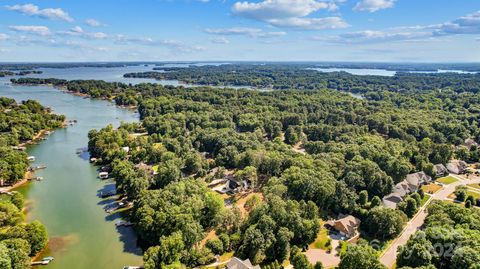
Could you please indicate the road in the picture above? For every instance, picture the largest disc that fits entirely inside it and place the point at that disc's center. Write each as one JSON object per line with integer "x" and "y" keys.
{"x": 389, "y": 256}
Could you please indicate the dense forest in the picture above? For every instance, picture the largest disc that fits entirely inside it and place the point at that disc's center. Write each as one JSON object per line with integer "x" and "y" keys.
{"x": 20, "y": 122}
{"x": 298, "y": 156}
{"x": 19, "y": 241}
{"x": 301, "y": 76}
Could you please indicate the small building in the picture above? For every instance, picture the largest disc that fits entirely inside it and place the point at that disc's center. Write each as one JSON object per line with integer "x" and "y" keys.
{"x": 439, "y": 170}
{"x": 347, "y": 226}
{"x": 236, "y": 263}
{"x": 457, "y": 167}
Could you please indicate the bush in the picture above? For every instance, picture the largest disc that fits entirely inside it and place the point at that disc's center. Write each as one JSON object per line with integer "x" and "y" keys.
{"x": 215, "y": 245}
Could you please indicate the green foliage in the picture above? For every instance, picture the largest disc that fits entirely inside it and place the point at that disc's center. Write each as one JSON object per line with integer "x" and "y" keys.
{"x": 215, "y": 245}
{"x": 360, "y": 257}
{"x": 384, "y": 223}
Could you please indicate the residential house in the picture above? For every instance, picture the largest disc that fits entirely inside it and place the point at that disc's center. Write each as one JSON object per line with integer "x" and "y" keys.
{"x": 347, "y": 226}
{"x": 410, "y": 185}
{"x": 236, "y": 263}
{"x": 457, "y": 167}
{"x": 439, "y": 170}
{"x": 415, "y": 180}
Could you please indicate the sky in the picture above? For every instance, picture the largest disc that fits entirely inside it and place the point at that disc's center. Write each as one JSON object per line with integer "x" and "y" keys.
{"x": 240, "y": 30}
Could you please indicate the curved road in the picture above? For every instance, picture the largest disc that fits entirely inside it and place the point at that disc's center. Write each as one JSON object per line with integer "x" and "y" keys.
{"x": 389, "y": 256}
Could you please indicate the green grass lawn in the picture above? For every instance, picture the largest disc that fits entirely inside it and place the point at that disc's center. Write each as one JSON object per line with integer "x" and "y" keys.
{"x": 425, "y": 199}
{"x": 475, "y": 195}
{"x": 323, "y": 241}
{"x": 475, "y": 186}
{"x": 447, "y": 180}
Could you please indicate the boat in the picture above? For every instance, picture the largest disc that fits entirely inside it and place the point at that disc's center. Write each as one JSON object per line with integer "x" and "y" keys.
{"x": 31, "y": 158}
{"x": 49, "y": 258}
{"x": 123, "y": 223}
{"x": 103, "y": 175}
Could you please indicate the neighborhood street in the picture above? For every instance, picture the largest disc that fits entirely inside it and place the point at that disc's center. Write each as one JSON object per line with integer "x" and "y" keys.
{"x": 389, "y": 256}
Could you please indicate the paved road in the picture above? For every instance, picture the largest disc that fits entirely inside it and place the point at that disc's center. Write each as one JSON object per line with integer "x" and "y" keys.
{"x": 389, "y": 257}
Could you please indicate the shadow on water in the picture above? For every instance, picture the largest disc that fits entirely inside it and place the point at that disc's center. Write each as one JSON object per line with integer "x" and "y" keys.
{"x": 129, "y": 239}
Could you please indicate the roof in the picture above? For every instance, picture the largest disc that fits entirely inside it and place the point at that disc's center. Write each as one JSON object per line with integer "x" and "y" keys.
{"x": 418, "y": 178}
{"x": 456, "y": 166}
{"x": 392, "y": 200}
{"x": 348, "y": 224}
{"x": 236, "y": 263}
{"x": 439, "y": 169}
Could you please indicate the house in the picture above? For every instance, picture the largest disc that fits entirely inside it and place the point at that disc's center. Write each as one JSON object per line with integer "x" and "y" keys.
{"x": 417, "y": 179}
{"x": 439, "y": 170}
{"x": 236, "y": 263}
{"x": 347, "y": 226}
{"x": 392, "y": 200}
{"x": 231, "y": 186}
{"x": 457, "y": 167}
{"x": 410, "y": 185}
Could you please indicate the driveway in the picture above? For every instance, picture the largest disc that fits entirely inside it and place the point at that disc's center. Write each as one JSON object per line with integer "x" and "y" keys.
{"x": 389, "y": 256}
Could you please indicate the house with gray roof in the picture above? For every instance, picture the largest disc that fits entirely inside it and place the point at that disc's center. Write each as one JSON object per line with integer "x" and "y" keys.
{"x": 236, "y": 263}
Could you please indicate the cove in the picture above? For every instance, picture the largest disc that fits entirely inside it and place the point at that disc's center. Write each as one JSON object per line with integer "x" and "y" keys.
{"x": 81, "y": 234}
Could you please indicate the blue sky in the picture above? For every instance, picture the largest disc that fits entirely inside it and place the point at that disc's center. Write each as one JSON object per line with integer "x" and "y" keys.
{"x": 253, "y": 30}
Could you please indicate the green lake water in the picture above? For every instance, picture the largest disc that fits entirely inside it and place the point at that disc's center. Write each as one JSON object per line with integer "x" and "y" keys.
{"x": 81, "y": 234}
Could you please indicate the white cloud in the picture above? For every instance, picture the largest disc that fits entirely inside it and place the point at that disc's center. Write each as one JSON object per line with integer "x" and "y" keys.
{"x": 3, "y": 37}
{"x": 93, "y": 23}
{"x": 245, "y": 31}
{"x": 219, "y": 40}
{"x": 47, "y": 13}
{"x": 469, "y": 24}
{"x": 290, "y": 13}
{"x": 311, "y": 23}
{"x": 373, "y": 5}
{"x": 3, "y": 50}
{"x": 174, "y": 45}
{"x": 32, "y": 29}
{"x": 466, "y": 25}
{"x": 369, "y": 36}
{"x": 79, "y": 32}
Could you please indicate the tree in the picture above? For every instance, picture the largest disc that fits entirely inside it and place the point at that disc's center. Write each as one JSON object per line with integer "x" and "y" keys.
{"x": 417, "y": 252}
{"x": 169, "y": 248}
{"x": 299, "y": 260}
{"x": 5, "y": 261}
{"x": 291, "y": 135}
{"x": 461, "y": 193}
{"x": 18, "y": 200}
{"x": 384, "y": 223}
{"x": 409, "y": 207}
{"x": 376, "y": 201}
{"x": 363, "y": 198}
{"x": 360, "y": 257}
{"x": 216, "y": 246}
{"x": 36, "y": 236}
{"x": 465, "y": 257}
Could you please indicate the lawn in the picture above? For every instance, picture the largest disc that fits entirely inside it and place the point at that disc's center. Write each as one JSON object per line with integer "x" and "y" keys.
{"x": 475, "y": 195}
{"x": 475, "y": 186}
{"x": 225, "y": 256}
{"x": 425, "y": 199}
{"x": 323, "y": 241}
{"x": 431, "y": 188}
{"x": 447, "y": 180}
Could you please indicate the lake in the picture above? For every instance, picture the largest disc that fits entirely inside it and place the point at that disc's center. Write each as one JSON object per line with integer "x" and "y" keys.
{"x": 383, "y": 72}
{"x": 81, "y": 234}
